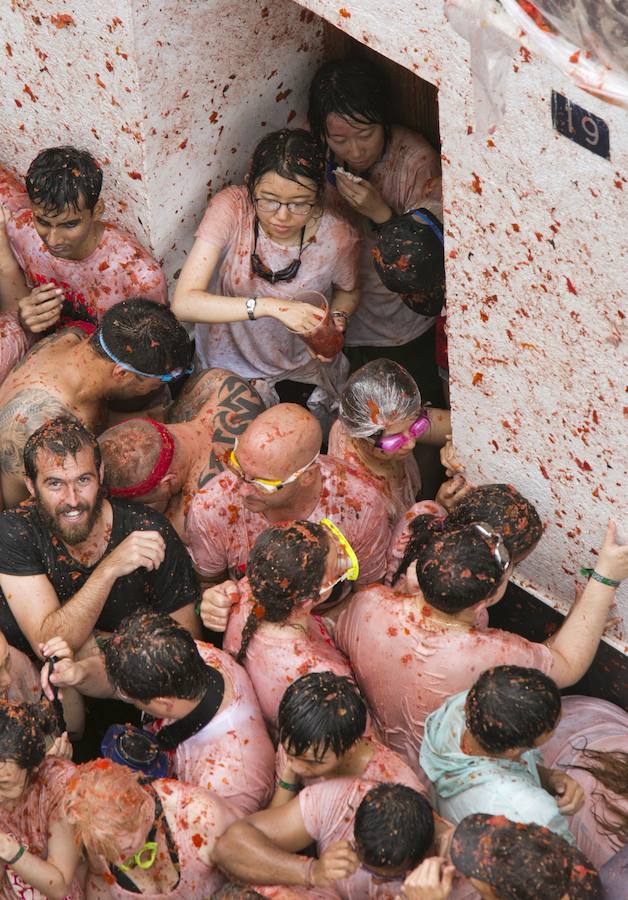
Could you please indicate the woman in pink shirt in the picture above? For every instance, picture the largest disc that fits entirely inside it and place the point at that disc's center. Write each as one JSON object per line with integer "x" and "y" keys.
{"x": 39, "y": 853}
{"x": 152, "y": 838}
{"x": 257, "y": 247}
{"x": 321, "y": 723}
{"x": 381, "y": 418}
{"x": 292, "y": 568}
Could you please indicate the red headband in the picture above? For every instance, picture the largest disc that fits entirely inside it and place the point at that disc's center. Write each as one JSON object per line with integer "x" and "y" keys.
{"x": 161, "y": 466}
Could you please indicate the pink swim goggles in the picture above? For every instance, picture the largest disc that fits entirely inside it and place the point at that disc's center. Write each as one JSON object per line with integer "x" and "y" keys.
{"x": 390, "y": 443}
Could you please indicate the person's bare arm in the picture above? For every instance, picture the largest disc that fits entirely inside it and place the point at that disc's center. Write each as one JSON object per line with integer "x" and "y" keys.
{"x": 43, "y": 617}
{"x": 12, "y": 282}
{"x": 51, "y": 876}
{"x": 440, "y": 427}
{"x": 187, "y": 617}
{"x": 344, "y": 302}
{"x": 84, "y": 672}
{"x": 262, "y": 850}
{"x": 575, "y": 643}
{"x": 192, "y": 302}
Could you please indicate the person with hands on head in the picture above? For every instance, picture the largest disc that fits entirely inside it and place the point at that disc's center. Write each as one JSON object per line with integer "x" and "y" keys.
{"x": 276, "y": 474}
{"x": 75, "y": 265}
{"x": 85, "y": 561}
{"x": 432, "y": 880}
{"x": 257, "y": 247}
{"x": 38, "y": 846}
{"x": 368, "y": 837}
{"x": 480, "y": 751}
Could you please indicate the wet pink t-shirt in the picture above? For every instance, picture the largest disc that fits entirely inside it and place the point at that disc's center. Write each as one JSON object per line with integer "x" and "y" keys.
{"x": 118, "y": 269}
{"x": 221, "y": 531}
{"x": 13, "y": 343}
{"x": 588, "y": 723}
{"x": 384, "y": 765}
{"x": 274, "y": 663}
{"x": 406, "y": 665}
{"x": 191, "y": 827}
{"x": 400, "y": 489}
{"x": 407, "y": 177}
{"x": 30, "y": 820}
{"x": 232, "y": 755}
{"x": 266, "y": 348}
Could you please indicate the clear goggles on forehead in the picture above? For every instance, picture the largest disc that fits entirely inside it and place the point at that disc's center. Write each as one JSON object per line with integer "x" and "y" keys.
{"x": 352, "y": 569}
{"x": 270, "y": 485}
{"x": 496, "y": 543}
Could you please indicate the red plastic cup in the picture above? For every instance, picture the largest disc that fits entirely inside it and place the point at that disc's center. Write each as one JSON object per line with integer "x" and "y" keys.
{"x": 325, "y": 339}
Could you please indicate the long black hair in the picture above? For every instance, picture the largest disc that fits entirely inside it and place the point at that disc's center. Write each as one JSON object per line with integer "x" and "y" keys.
{"x": 352, "y": 89}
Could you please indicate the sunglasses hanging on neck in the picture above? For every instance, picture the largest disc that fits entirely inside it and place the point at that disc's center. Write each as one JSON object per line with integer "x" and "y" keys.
{"x": 259, "y": 268}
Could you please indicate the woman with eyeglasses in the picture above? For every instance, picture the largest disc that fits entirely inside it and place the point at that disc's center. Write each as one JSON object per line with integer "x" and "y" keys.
{"x": 152, "y": 838}
{"x": 381, "y": 418}
{"x": 259, "y": 245}
{"x": 377, "y": 170}
{"x": 291, "y": 570}
{"x": 39, "y": 851}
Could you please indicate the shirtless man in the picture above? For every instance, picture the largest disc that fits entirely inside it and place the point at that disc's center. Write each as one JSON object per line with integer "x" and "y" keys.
{"x": 137, "y": 346}
{"x": 75, "y": 265}
{"x": 164, "y": 466}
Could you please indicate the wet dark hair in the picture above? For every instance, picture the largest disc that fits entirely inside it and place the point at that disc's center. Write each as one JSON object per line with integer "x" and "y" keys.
{"x": 23, "y": 731}
{"x": 610, "y": 769}
{"x": 285, "y": 568}
{"x": 61, "y": 436}
{"x": 352, "y": 89}
{"x": 519, "y": 861}
{"x": 60, "y": 176}
{"x": 150, "y": 655}
{"x": 292, "y": 153}
{"x": 510, "y": 707}
{"x": 145, "y": 335}
{"x": 321, "y": 711}
{"x": 504, "y": 509}
{"x": 394, "y": 827}
{"x": 455, "y": 568}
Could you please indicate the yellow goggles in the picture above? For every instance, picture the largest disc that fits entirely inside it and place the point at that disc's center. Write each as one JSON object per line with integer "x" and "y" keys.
{"x": 269, "y": 485}
{"x": 353, "y": 569}
{"x": 143, "y": 859}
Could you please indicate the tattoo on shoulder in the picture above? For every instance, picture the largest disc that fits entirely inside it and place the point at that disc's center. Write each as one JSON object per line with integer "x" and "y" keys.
{"x": 46, "y": 342}
{"x": 236, "y": 407}
{"x": 20, "y": 416}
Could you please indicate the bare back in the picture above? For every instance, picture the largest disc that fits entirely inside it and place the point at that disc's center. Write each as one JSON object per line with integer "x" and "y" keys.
{"x": 221, "y": 405}
{"x": 38, "y": 389}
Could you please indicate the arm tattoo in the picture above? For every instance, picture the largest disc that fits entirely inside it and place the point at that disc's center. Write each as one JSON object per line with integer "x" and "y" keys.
{"x": 20, "y": 416}
{"x": 236, "y": 407}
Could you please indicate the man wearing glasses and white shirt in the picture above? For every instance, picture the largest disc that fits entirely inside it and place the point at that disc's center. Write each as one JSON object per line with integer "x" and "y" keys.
{"x": 277, "y": 475}
{"x": 137, "y": 346}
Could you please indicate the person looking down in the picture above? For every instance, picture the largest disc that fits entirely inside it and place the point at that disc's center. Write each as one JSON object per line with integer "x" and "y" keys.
{"x": 257, "y": 247}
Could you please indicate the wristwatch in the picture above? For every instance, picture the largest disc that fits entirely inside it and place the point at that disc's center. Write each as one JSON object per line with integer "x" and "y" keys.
{"x": 251, "y": 303}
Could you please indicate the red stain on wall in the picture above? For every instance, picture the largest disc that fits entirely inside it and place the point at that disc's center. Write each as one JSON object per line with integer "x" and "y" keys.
{"x": 28, "y": 91}
{"x": 344, "y": 13}
{"x": 570, "y": 286}
{"x": 135, "y": 176}
{"x": 476, "y": 184}
{"x": 62, "y": 20}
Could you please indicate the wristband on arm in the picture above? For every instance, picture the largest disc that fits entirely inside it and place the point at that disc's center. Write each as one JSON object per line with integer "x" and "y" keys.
{"x": 591, "y": 573}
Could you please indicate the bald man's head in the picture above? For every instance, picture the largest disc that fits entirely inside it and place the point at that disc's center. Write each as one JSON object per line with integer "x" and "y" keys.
{"x": 138, "y": 456}
{"x": 279, "y": 442}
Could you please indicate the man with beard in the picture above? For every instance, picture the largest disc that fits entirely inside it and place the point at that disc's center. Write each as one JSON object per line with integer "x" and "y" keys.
{"x": 74, "y": 561}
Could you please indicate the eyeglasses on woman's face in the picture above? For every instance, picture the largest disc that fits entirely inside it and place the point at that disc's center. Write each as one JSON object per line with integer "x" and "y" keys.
{"x": 294, "y": 207}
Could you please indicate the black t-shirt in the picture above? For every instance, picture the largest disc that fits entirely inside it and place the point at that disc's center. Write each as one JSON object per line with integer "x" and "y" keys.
{"x": 27, "y": 547}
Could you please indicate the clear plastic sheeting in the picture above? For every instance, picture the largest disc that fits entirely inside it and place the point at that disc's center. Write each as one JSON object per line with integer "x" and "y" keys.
{"x": 492, "y": 49}
{"x": 585, "y": 39}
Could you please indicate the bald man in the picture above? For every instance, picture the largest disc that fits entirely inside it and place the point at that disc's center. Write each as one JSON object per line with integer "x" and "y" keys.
{"x": 276, "y": 474}
{"x": 165, "y": 465}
